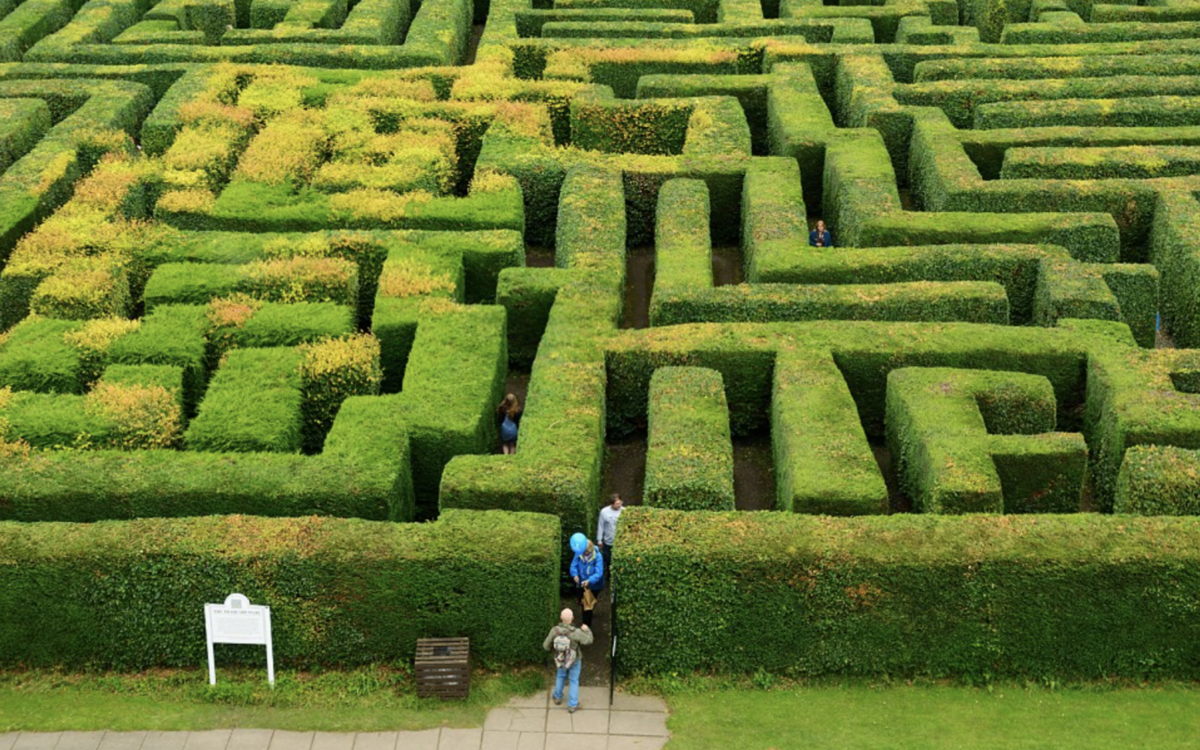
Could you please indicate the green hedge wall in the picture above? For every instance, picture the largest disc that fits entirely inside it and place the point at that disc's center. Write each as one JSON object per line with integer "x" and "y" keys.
{"x": 689, "y": 453}
{"x": 365, "y": 471}
{"x": 965, "y": 301}
{"x": 25, "y": 121}
{"x": 130, "y": 595}
{"x": 559, "y": 461}
{"x": 253, "y": 404}
{"x": 369, "y": 38}
{"x": 1159, "y": 481}
{"x": 973, "y": 441}
{"x": 35, "y": 357}
{"x": 42, "y": 180}
{"x": 823, "y": 463}
{"x": 1013, "y": 266}
{"x": 682, "y": 247}
{"x": 1173, "y": 239}
{"x": 1082, "y": 596}
{"x": 527, "y": 294}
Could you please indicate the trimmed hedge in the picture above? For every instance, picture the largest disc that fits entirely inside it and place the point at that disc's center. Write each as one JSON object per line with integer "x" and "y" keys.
{"x": 965, "y": 301}
{"x": 245, "y": 206}
{"x": 252, "y": 405}
{"x": 970, "y": 441}
{"x": 689, "y": 453}
{"x": 682, "y": 248}
{"x": 240, "y": 323}
{"x": 453, "y": 380}
{"x": 865, "y": 352}
{"x": 558, "y": 465}
{"x": 131, "y": 407}
{"x": 527, "y": 296}
{"x": 87, "y": 115}
{"x": 108, "y": 32}
{"x": 1097, "y": 163}
{"x": 1159, "y": 480}
{"x": 1143, "y": 111}
{"x": 1082, "y": 596}
{"x": 823, "y": 462}
{"x": 332, "y": 371}
{"x": 364, "y": 471}
{"x": 35, "y": 356}
{"x": 296, "y": 279}
{"x": 23, "y": 122}
{"x": 1138, "y": 398}
{"x": 126, "y": 595}
{"x": 1013, "y": 266}
{"x": 1173, "y": 242}
{"x": 521, "y": 142}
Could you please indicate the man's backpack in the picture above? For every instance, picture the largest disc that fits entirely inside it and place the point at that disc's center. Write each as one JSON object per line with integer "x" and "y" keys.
{"x": 564, "y": 651}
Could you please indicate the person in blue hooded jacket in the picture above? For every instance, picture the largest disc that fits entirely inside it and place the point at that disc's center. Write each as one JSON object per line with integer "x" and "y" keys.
{"x": 587, "y": 570}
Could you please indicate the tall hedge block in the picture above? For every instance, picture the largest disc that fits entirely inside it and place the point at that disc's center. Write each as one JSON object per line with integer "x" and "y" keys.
{"x": 127, "y": 595}
{"x": 689, "y": 455}
{"x": 1159, "y": 481}
{"x": 1082, "y": 596}
{"x": 253, "y": 404}
{"x": 971, "y": 441}
{"x": 823, "y": 462}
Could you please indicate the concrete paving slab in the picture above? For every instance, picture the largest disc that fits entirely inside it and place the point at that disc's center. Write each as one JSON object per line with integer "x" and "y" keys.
{"x": 537, "y": 700}
{"x": 637, "y": 722}
{"x": 7, "y": 740}
{"x": 426, "y": 739}
{"x": 559, "y": 722}
{"x": 36, "y": 740}
{"x": 630, "y": 742}
{"x": 250, "y": 739}
{"x": 332, "y": 741}
{"x": 532, "y": 741}
{"x": 284, "y": 740}
{"x": 499, "y": 719}
{"x": 79, "y": 741}
{"x": 589, "y": 722}
{"x": 555, "y": 741}
{"x": 626, "y": 702}
{"x": 119, "y": 741}
{"x": 593, "y": 697}
{"x": 164, "y": 740}
{"x": 212, "y": 739}
{"x": 500, "y": 740}
{"x": 461, "y": 739}
{"x": 376, "y": 740}
{"x": 528, "y": 720}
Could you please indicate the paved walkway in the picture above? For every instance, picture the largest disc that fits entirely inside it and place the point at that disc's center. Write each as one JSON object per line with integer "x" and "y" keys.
{"x": 533, "y": 723}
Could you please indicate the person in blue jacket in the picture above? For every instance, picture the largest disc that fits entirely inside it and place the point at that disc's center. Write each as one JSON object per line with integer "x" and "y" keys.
{"x": 587, "y": 570}
{"x": 820, "y": 237}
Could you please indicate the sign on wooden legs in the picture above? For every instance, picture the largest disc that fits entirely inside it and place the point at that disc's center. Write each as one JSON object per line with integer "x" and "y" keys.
{"x": 238, "y": 621}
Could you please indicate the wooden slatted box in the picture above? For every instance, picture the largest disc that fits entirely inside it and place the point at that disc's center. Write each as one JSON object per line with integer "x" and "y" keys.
{"x": 443, "y": 667}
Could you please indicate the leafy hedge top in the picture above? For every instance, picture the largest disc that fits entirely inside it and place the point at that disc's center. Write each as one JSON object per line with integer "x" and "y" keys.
{"x": 775, "y": 538}
{"x": 494, "y": 538}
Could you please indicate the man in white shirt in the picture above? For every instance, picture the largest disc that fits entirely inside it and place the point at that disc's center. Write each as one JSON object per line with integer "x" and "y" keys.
{"x": 606, "y": 529}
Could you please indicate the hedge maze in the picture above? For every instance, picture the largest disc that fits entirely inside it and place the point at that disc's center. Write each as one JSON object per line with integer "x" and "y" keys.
{"x": 269, "y": 266}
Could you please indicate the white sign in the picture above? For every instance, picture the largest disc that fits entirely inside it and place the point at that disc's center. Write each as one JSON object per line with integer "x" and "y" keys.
{"x": 238, "y": 621}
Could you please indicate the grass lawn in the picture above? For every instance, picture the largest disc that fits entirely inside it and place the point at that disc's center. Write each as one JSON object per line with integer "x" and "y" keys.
{"x": 368, "y": 699}
{"x": 862, "y": 717}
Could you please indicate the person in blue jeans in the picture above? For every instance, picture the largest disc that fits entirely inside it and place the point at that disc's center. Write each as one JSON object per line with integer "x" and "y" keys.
{"x": 565, "y": 642}
{"x": 587, "y": 570}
